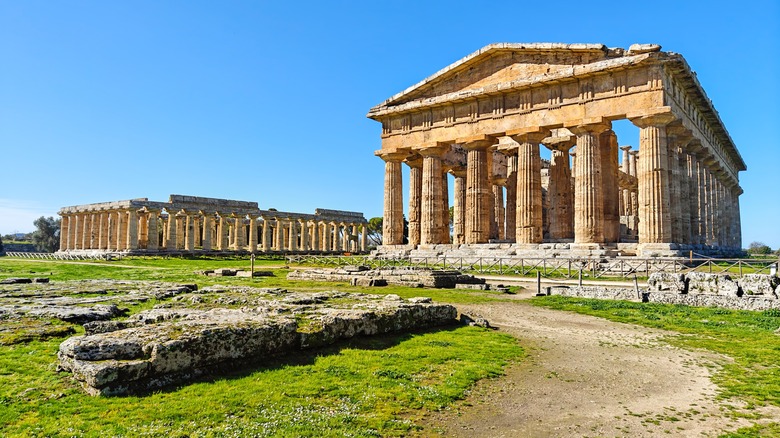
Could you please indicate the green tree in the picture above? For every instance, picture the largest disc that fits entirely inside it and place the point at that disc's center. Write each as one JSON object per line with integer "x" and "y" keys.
{"x": 759, "y": 248}
{"x": 46, "y": 237}
{"x": 375, "y": 231}
{"x": 1, "y": 244}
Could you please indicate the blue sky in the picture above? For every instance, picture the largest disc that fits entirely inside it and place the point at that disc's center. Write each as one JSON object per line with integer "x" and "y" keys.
{"x": 266, "y": 101}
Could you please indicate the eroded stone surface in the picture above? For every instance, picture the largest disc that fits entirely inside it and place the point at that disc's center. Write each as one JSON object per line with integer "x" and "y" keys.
{"x": 223, "y": 327}
{"x": 405, "y": 276}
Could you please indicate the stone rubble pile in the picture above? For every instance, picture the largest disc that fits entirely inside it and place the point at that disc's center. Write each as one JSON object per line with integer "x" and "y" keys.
{"x": 401, "y": 276}
{"x": 750, "y": 292}
{"x": 80, "y": 301}
{"x": 230, "y": 327}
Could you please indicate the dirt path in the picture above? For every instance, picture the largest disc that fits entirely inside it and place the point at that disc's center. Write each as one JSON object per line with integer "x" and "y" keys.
{"x": 586, "y": 376}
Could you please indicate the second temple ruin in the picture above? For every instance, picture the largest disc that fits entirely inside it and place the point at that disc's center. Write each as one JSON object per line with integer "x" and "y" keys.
{"x": 483, "y": 119}
{"x": 191, "y": 224}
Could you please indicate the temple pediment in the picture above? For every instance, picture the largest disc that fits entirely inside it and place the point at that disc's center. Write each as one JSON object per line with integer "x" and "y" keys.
{"x": 505, "y": 63}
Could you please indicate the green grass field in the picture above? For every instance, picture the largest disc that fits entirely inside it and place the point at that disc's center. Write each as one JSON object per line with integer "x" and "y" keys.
{"x": 373, "y": 386}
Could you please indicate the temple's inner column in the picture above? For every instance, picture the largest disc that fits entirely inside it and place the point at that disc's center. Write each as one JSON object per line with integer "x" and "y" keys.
{"x": 223, "y": 232}
{"x": 510, "y": 210}
{"x": 608, "y": 143}
{"x": 444, "y": 208}
{"x": 626, "y": 195}
{"x": 252, "y": 239}
{"x": 499, "y": 212}
{"x": 655, "y": 225}
{"x": 153, "y": 232}
{"x": 458, "y": 208}
{"x": 292, "y": 236}
{"x": 588, "y": 191}
{"x": 393, "y": 221}
{"x": 478, "y": 193}
{"x": 326, "y": 240}
{"x": 559, "y": 191}
{"x": 278, "y": 235}
{"x": 430, "y": 209}
{"x": 529, "y": 221}
{"x": 633, "y": 156}
{"x": 415, "y": 199}
{"x": 266, "y": 241}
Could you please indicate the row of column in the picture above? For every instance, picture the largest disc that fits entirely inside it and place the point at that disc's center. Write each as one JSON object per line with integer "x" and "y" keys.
{"x": 148, "y": 229}
{"x": 682, "y": 196}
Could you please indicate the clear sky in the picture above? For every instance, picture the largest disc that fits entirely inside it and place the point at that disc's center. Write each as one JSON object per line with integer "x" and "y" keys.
{"x": 266, "y": 101}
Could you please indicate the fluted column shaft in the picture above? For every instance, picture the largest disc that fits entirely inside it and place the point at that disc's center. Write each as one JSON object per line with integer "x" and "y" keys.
{"x": 609, "y": 181}
{"x": 685, "y": 203}
{"x": 131, "y": 242}
{"x": 393, "y": 221}
{"x": 189, "y": 230}
{"x": 528, "y": 219}
{"x": 561, "y": 209}
{"x": 84, "y": 231}
{"x": 458, "y": 208}
{"x": 415, "y": 200}
{"x": 430, "y": 209}
{"x": 64, "y": 232}
{"x": 675, "y": 191}
{"x": 444, "y": 208}
{"x": 252, "y": 240}
{"x": 655, "y": 224}
{"x": 478, "y": 192}
{"x": 510, "y": 212}
{"x": 588, "y": 190}
{"x": 208, "y": 224}
{"x": 499, "y": 211}
{"x": 153, "y": 232}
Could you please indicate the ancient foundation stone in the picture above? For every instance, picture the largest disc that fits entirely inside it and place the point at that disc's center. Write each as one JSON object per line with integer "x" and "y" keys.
{"x": 173, "y": 344}
{"x": 405, "y": 276}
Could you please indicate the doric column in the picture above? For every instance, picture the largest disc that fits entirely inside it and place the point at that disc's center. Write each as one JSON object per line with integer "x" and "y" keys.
{"x": 85, "y": 231}
{"x": 278, "y": 234}
{"x": 415, "y": 199}
{"x": 510, "y": 210}
{"x": 528, "y": 221}
{"x": 315, "y": 236}
{"x": 224, "y": 228}
{"x": 75, "y": 238}
{"x": 326, "y": 241}
{"x": 588, "y": 190}
{"x": 336, "y": 237}
{"x": 266, "y": 243}
{"x": 103, "y": 230}
{"x": 153, "y": 232}
{"x": 189, "y": 230}
{"x": 458, "y": 208}
{"x": 93, "y": 224}
{"x": 499, "y": 212}
{"x": 181, "y": 229}
{"x": 609, "y": 182}
{"x": 655, "y": 225}
{"x": 121, "y": 230}
{"x": 712, "y": 208}
{"x": 304, "y": 235}
{"x": 64, "y": 232}
{"x": 131, "y": 241}
{"x": 685, "y": 195}
{"x": 197, "y": 231}
{"x": 626, "y": 195}
{"x": 363, "y": 237}
{"x": 444, "y": 236}
{"x": 171, "y": 234}
{"x": 478, "y": 193}
{"x": 208, "y": 225}
{"x": 292, "y": 236}
{"x": 252, "y": 233}
{"x": 393, "y": 221}
{"x": 430, "y": 209}
{"x": 561, "y": 211}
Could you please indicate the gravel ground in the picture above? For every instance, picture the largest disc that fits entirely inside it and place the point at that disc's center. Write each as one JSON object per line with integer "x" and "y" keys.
{"x": 586, "y": 376}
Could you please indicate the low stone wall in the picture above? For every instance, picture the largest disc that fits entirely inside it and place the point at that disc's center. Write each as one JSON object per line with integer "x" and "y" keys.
{"x": 751, "y": 292}
{"x": 162, "y": 346}
{"x": 405, "y": 276}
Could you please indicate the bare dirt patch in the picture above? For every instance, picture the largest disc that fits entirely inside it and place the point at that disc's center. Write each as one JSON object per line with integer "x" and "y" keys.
{"x": 586, "y": 376}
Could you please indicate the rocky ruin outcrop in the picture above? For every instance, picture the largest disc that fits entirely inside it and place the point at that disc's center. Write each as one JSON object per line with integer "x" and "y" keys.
{"x": 173, "y": 344}
{"x": 401, "y": 276}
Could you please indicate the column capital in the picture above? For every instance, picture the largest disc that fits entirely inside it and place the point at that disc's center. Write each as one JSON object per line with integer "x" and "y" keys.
{"x": 529, "y": 137}
{"x": 595, "y": 126}
{"x": 562, "y": 144}
{"x": 433, "y": 149}
{"x": 414, "y": 161}
{"x": 626, "y": 148}
{"x": 395, "y": 156}
{"x": 477, "y": 142}
{"x": 660, "y": 117}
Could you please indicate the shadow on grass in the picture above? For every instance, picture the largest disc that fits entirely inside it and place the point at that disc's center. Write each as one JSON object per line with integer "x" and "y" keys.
{"x": 238, "y": 369}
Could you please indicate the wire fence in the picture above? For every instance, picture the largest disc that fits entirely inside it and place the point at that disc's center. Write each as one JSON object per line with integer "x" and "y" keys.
{"x": 555, "y": 267}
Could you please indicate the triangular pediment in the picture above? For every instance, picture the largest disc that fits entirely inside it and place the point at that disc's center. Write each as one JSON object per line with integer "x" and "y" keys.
{"x": 502, "y": 63}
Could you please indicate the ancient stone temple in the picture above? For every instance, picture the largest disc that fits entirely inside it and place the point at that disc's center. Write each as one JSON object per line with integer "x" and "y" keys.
{"x": 190, "y": 224}
{"x": 484, "y": 118}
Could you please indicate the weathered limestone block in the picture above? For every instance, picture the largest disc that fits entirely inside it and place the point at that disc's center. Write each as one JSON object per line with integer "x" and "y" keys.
{"x": 759, "y": 284}
{"x": 167, "y": 345}
{"x": 718, "y": 284}
{"x": 664, "y": 281}
{"x": 412, "y": 277}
